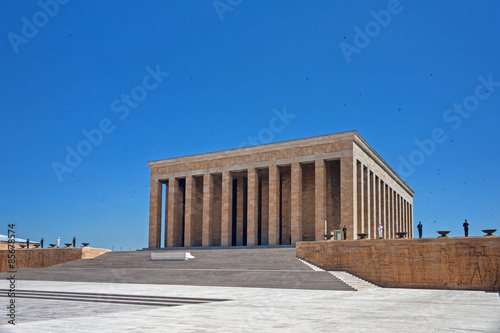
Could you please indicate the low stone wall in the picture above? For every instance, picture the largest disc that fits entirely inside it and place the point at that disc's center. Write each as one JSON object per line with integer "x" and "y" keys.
{"x": 470, "y": 263}
{"x": 39, "y": 258}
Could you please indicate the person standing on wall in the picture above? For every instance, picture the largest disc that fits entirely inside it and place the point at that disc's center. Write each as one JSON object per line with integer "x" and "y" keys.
{"x": 28, "y": 243}
{"x": 344, "y": 230}
{"x": 419, "y": 227}
{"x": 466, "y": 228}
{"x": 58, "y": 241}
{"x": 41, "y": 243}
{"x": 380, "y": 230}
{"x": 74, "y": 241}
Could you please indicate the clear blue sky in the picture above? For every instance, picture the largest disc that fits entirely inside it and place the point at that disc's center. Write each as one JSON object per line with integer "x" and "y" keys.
{"x": 229, "y": 64}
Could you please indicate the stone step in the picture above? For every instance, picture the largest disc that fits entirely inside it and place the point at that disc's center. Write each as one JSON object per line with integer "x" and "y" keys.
{"x": 261, "y": 268}
{"x": 346, "y": 277}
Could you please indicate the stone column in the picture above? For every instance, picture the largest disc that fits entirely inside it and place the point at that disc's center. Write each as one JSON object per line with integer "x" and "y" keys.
{"x": 240, "y": 197}
{"x": 361, "y": 198}
{"x": 172, "y": 210}
{"x": 349, "y": 193}
{"x": 366, "y": 228}
{"x": 373, "y": 222}
{"x": 296, "y": 203}
{"x": 390, "y": 212}
{"x": 398, "y": 218}
{"x": 208, "y": 185}
{"x": 402, "y": 213}
{"x": 379, "y": 206}
{"x": 252, "y": 207}
{"x": 396, "y": 213}
{"x": 405, "y": 221}
{"x": 154, "y": 213}
{"x": 274, "y": 202}
{"x": 408, "y": 227}
{"x": 411, "y": 219}
{"x": 320, "y": 199}
{"x": 188, "y": 213}
{"x": 227, "y": 209}
{"x": 383, "y": 208}
{"x": 165, "y": 218}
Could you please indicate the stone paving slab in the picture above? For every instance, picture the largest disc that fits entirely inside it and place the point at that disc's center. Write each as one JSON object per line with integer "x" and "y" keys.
{"x": 266, "y": 310}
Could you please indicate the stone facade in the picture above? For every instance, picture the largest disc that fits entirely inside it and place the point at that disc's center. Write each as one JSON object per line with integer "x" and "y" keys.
{"x": 444, "y": 263}
{"x": 277, "y": 194}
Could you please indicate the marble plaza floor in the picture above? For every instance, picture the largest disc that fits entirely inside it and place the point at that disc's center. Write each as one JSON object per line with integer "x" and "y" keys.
{"x": 253, "y": 310}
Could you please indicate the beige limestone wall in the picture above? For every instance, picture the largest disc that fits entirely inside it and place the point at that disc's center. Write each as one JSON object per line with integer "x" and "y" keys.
{"x": 470, "y": 263}
{"x": 39, "y": 258}
{"x": 264, "y": 153}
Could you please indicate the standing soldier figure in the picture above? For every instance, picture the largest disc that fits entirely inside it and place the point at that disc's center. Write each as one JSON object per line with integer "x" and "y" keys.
{"x": 466, "y": 228}
{"x": 419, "y": 227}
{"x": 28, "y": 243}
{"x": 41, "y": 243}
{"x": 344, "y": 230}
{"x": 74, "y": 241}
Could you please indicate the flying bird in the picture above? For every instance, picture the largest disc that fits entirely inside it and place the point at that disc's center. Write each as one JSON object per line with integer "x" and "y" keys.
{"x": 70, "y": 35}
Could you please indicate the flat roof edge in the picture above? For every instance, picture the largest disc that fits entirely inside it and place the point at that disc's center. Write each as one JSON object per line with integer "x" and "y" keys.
{"x": 251, "y": 148}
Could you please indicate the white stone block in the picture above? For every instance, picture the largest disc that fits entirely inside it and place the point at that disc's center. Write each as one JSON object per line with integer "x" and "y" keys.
{"x": 171, "y": 256}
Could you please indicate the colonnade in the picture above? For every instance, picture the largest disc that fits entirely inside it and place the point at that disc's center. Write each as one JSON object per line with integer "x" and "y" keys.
{"x": 253, "y": 206}
{"x": 379, "y": 203}
{"x": 276, "y": 204}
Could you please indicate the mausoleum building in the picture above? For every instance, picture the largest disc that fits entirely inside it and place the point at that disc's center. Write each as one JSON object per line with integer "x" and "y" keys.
{"x": 277, "y": 194}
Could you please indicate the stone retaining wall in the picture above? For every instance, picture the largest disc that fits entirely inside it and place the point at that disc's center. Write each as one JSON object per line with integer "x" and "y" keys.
{"x": 39, "y": 258}
{"x": 470, "y": 263}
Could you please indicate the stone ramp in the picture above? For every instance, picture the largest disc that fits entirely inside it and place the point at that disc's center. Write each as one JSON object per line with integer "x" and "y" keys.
{"x": 259, "y": 268}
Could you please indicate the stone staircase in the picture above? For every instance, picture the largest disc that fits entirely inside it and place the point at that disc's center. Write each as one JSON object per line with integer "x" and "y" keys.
{"x": 348, "y": 278}
{"x": 251, "y": 267}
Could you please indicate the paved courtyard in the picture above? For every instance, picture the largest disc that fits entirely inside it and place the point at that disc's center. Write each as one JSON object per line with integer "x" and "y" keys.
{"x": 258, "y": 310}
